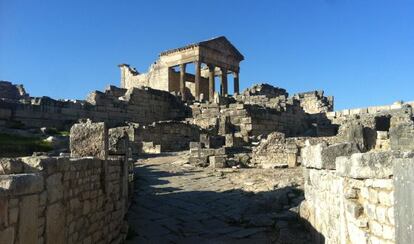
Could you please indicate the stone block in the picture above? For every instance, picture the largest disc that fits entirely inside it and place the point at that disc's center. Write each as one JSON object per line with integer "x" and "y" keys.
{"x": 55, "y": 224}
{"x": 404, "y": 195}
{"x": 149, "y": 147}
{"x": 217, "y": 161}
{"x": 402, "y": 137}
{"x": 321, "y": 156}
{"x": 54, "y": 187}
{"x": 118, "y": 140}
{"x": 89, "y": 139}
{"x": 28, "y": 219}
{"x": 292, "y": 160}
{"x": 11, "y": 166}
{"x": 14, "y": 185}
{"x": 7, "y": 235}
{"x": 370, "y": 165}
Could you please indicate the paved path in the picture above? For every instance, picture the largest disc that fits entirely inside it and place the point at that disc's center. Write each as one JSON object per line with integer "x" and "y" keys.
{"x": 177, "y": 203}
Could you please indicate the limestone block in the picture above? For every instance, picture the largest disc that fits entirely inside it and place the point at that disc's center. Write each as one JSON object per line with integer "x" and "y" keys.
{"x": 149, "y": 147}
{"x": 28, "y": 219}
{"x": 376, "y": 165}
{"x": 11, "y": 166}
{"x": 218, "y": 161}
{"x": 404, "y": 195}
{"x": 118, "y": 140}
{"x": 89, "y": 139}
{"x": 39, "y": 163}
{"x": 7, "y": 235}
{"x": 55, "y": 224}
{"x": 20, "y": 184}
{"x": 321, "y": 156}
{"x": 54, "y": 187}
{"x": 356, "y": 235}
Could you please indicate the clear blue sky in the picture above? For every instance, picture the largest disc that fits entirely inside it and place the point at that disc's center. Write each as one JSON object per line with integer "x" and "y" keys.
{"x": 360, "y": 51}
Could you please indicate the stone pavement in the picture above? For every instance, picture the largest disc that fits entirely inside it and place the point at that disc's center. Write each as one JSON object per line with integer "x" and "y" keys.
{"x": 177, "y": 203}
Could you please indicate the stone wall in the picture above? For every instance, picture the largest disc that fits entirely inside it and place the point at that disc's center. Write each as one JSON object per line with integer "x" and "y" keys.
{"x": 250, "y": 120}
{"x": 77, "y": 199}
{"x": 114, "y": 106}
{"x": 278, "y": 151}
{"x": 171, "y": 136}
{"x": 63, "y": 200}
{"x": 8, "y": 91}
{"x": 349, "y": 199}
{"x": 314, "y": 102}
{"x": 368, "y": 110}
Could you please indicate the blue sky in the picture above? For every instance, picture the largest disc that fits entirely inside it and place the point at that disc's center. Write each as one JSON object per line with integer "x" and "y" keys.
{"x": 360, "y": 51}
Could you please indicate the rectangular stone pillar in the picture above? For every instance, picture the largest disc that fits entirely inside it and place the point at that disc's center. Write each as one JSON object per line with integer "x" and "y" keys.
{"x": 182, "y": 81}
{"x": 211, "y": 82}
{"x": 403, "y": 178}
{"x": 236, "y": 82}
{"x": 197, "y": 79}
{"x": 223, "y": 82}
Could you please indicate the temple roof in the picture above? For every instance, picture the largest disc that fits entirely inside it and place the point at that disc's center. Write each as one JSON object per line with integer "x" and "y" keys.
{"x": 208, "y": 44}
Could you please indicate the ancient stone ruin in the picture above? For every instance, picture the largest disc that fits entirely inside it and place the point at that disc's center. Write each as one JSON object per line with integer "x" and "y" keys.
{"x": 166, "y": 158}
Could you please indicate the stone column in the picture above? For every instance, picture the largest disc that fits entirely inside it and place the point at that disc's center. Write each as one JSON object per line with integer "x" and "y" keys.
{"x": 182, "y": 81}
{"x": 211, "y": 84}
{"x": 236, "y": 82}
{"x": 197, "y": 79}
{"x": 223, "y": 81}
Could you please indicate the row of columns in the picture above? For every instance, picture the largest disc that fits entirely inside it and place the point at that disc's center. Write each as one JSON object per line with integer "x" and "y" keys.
{"x": 211, "y": 80}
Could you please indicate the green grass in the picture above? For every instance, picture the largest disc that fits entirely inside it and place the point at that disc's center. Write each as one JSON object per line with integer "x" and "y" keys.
{"x": 63, "y": 133}
{"x": 56, "y": 132}
{"x": 12, "y": 145}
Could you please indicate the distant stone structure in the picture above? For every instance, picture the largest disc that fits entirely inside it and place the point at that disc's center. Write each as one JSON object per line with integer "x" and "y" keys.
{"x": 211, "y": 58}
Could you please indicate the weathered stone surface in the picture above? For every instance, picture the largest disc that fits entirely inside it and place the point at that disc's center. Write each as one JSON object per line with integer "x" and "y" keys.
{"x": 13, "y": 185}
{"x": 354, "y": 133}
{"x": 54, "y": 187}
{"x": 7, "y": 235}
{"x": 217, "y": 161}
{"x": 55, "y": 227}
{"x": 366, "y": 165}
{"x": 11, "y": 91}
{"x": 322, "y": 156}
{"x": 28, "y": 219}
{"x": 119, "y": 140}
{"x": 404, "y": 199}
{"x": 89, "y": 139}
{"x": 11, "y": 166}
{"x": 402, "y": 136}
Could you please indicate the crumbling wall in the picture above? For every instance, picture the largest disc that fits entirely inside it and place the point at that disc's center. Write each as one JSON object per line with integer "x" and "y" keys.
{"x": 114, "y": 106}
{"x": 250, "y": 120}
{"x": 278, "y": 151}
{"x": 171, "y": 136}
{"x": 338, "y": 116}
{"x": 350, "y": 200}
{"x": 314, "y": 102}
{"x": 82, "y": 199}
{"x": 62, "y": 200}
{"x": 9, "y": 91}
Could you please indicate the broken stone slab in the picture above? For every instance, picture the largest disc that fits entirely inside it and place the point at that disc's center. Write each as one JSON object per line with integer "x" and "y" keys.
{"x": 89, "y": 139}
{"x": 374, "y": 165}
{"x": 322, "y": 156}
{"x": 20, "y": 184}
